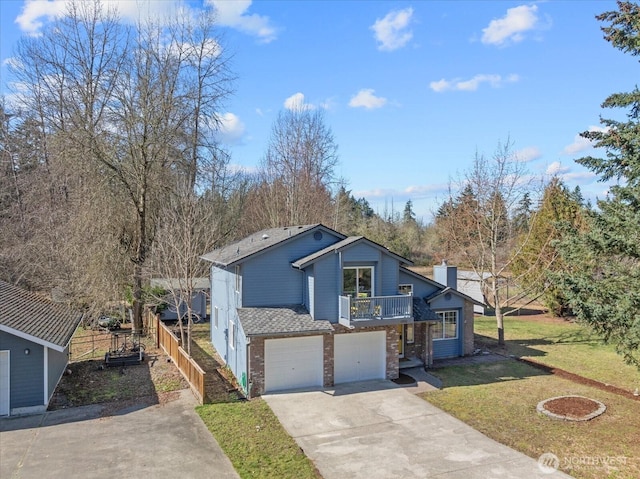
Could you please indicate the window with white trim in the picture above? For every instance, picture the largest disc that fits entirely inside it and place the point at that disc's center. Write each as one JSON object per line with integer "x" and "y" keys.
{"x": 405, "y": 289}
{"x": 215, "y": 316}
{"x": 357, "y": 281}
{"x": 232, "y": 335}
{"x": 237, "y": 271}
{"x": 410, "y": 334}
{"x": 447, "y": 328}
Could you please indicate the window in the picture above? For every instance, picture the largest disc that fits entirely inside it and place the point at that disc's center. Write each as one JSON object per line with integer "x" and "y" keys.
{"x": 215, "y": 317}
{"x": 357, "y": 282}
{"x": 238, "y": 278}
{"x": 410, "y": 334}
{"x": 232, "y": 335}
{"x": 447, "y": 328}
{"x": 405, "y": 289}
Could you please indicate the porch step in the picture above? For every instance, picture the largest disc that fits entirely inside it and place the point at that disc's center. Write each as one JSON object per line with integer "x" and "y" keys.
{"x": 406, "y": 363}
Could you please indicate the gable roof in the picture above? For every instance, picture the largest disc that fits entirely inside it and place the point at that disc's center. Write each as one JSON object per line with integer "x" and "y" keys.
{"x": 345, "y": 243}
{"x": 448, "y": 289}
{"x": 422, "y": 277}
{"x": 258, "y": 242}
{"x": 444, "y": 289}
{"x": 289, "y": 319}
{"x": 36, "y": 319}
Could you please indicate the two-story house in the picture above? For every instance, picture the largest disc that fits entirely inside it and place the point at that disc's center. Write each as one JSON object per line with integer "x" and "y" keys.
{"x": 305, "y": 306}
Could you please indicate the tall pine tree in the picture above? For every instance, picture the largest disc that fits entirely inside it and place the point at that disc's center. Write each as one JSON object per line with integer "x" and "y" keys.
{"x": 602, "y": 277}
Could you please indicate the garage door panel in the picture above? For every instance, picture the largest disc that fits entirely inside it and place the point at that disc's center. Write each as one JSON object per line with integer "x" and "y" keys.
{"x": 293, "y": 363}
{"x": 360, "y": 356}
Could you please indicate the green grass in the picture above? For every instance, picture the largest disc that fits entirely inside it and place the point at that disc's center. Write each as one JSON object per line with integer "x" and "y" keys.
{"x": 561, "y": 344}
{"x": 255, "y": 442}
{"x": 499, "y": 399}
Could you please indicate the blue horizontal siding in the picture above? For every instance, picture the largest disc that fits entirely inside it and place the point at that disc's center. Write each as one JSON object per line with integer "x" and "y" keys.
{"x": 27, "y": 371}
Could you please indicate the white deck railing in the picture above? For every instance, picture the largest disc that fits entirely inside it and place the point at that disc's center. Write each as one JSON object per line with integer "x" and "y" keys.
{"x": 376, "y": 308}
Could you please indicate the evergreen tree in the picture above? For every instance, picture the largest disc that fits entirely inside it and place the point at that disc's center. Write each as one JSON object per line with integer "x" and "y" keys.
{"x": 602, "y": 277}
{"x": 539, "y": 255}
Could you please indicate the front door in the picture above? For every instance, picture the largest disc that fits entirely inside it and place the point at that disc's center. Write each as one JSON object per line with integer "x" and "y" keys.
{"x": 400, "y": 329}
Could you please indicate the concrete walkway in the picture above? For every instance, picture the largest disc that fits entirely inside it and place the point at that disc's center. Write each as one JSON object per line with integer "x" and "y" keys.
{"x": 160, "y": 441}
{"x": 376, "y": 429}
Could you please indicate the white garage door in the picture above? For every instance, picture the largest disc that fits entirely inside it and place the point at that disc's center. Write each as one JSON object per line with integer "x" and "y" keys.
{"x": 359, "y": 356}
{"x": 292, "y": 363}
{"x": 4, "y": 383}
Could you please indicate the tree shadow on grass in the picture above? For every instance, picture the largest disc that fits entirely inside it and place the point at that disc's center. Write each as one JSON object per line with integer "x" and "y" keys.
{"x": 475, "y": 374}
{"x": 513, "y": 347}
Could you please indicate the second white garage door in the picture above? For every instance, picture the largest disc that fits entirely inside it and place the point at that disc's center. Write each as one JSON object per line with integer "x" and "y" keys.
{"x": 291, "y": 363}
{"x": 359, "y": 356}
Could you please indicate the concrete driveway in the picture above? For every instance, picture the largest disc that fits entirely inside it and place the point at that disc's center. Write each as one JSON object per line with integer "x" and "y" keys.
{"x": 376, "y": 429}
{"x": 160, "y": 441}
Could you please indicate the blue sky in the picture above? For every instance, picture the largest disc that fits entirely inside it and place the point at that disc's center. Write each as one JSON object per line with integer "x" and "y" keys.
{"x": 411, "y": 90}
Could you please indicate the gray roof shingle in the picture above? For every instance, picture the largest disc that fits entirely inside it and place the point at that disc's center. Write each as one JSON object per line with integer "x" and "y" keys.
{"x": 254, "y": 243}
{"x": 303, "y": 262}
{"x": 422, "y": 311}
{"x": 289, "y": 319}
{"x": 46, "y": 322}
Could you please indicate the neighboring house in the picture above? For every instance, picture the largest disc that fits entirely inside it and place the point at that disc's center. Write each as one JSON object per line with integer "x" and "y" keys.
{"x": 34, "y": 349}
{"x": 306, "y": 306}
{"x": 469, "y": 284}
{"x": 198, "y": 297}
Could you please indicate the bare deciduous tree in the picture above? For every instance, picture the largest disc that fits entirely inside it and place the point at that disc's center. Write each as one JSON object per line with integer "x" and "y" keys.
{"x": 297, "y": 171}
{"x": 475, "y": 222}
{"x": 128, "y": 106}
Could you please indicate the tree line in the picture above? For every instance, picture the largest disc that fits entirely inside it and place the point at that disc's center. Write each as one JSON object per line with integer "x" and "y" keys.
{"x": 111, "y": 173}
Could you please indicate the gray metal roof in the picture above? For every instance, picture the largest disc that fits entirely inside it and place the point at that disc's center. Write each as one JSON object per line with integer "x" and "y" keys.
{"x": 175, "y": 283}
{"x": 37, "y": 319}
{"x": 303, "y": 262}
{"x": 289, "y": 319}
{"x": 255, "y": 243}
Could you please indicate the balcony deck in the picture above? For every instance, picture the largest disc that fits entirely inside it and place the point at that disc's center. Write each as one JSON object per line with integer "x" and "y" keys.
{"x": 375, "y": 310}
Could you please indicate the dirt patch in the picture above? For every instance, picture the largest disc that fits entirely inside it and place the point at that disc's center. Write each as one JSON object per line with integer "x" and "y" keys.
{"x": 91, "y": 382}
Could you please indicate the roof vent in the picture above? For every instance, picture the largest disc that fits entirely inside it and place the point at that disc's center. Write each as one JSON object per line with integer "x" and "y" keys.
{"x": 265, "y": 236}
{"x": 238, "y": 250}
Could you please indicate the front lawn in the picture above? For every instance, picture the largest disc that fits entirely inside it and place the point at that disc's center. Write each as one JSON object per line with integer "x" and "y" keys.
{"x": 499, "y": 399}
{"x": 560, "y": 344}
{"x": 255, "y": 441}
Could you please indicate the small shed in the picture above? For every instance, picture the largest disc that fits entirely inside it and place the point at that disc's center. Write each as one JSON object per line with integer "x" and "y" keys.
{"x": 35, "y": 334}
{"x": 199, "y": 296}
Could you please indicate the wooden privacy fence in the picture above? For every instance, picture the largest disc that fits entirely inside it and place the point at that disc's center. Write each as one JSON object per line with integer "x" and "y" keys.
{"x": 192, "y": 372}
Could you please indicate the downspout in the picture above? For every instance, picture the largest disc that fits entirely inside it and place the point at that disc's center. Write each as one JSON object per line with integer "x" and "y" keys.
{"x": 249, "y": 381}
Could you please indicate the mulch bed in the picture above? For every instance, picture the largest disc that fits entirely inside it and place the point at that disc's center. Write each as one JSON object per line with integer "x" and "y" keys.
{"x": 581, "y": 379}
{"x": 572, "y": 406}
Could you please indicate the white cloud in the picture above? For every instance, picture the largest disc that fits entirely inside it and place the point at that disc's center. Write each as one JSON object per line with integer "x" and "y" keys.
{"x": 512, "y": 26}
{"x": 556, "y": 169}
{"x": 233, "y": 13}
{"x": 366, "y": 99}
{"x": 527, "y": 154}
{"x": 230, "y": 13}
{"x": 392, "y": 31}
{"x": 231, "y": 129}
{"x": 582, "y": 144}
{"x": 472, "y": 84}
{"x": 414, "y": 191}
{"x": 35, "y": 12}
{"x": 296, "y": 102}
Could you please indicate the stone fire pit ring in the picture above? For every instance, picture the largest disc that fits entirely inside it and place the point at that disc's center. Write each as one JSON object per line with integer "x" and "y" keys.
{"x": 571, "y": 408}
